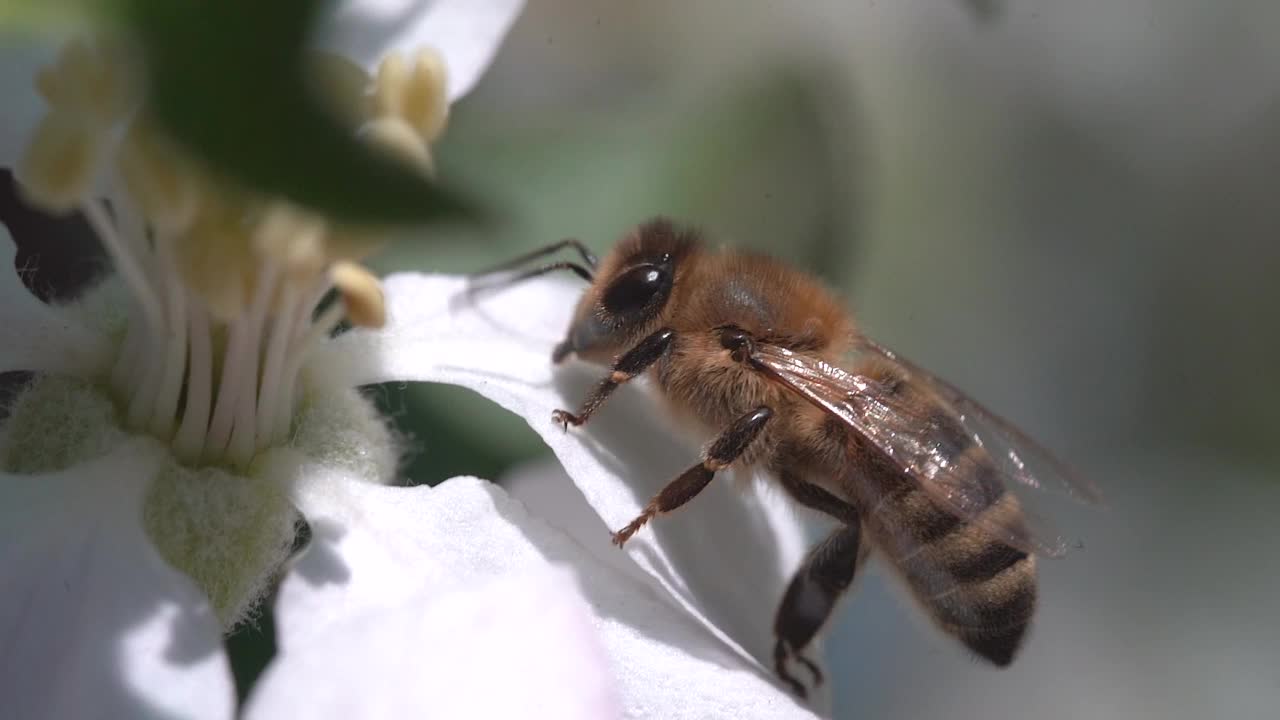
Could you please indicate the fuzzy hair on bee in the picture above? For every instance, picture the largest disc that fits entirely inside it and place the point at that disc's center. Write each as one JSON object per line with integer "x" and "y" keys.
{"x": 771, "y": 364}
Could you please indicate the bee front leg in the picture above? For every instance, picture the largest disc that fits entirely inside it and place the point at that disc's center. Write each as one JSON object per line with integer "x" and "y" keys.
{"x": 827, "y": 572}
{"x": 727, "y": 448}
{"x": 629, "y": 365}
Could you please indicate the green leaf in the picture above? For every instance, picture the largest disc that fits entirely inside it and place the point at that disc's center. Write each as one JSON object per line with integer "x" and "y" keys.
{"x": 227, "y": 80}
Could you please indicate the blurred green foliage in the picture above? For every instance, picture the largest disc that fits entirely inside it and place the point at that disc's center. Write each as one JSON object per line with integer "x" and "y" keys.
{"x": 228, "y": 80}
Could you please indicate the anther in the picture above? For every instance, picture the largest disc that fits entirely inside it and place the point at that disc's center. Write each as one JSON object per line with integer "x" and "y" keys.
{"x": 361, "y": 294}
{"x": 396, "y": 136}
{"x": 159, "y": 179}
{"x": 424, "y": 104}
{"x": 293, "y": 238}
{"x": 60, "y": 163}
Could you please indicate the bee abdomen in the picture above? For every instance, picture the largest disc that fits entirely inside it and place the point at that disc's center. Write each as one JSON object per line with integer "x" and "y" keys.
{"x": 990, "y": 616}
{"x": 976, "y": 588}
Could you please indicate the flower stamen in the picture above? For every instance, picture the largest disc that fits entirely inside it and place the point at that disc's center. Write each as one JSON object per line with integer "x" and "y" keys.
{"x": 189, "y": 442}
{"x": 175, "y": 355}
{"x": 224, "y": 284}
{"x": 127, "y": 264}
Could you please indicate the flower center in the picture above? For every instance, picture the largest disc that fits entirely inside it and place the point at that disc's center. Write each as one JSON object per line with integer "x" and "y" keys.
{"x": 226, "y": 286}
{"x": 228, "y": 293}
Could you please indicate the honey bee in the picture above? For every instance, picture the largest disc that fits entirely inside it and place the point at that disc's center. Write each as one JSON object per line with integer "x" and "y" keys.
{"x": 764, "y": 358}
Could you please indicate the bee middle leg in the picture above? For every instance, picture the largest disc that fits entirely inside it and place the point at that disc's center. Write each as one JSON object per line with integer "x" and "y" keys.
{"x": 826, "y": 574}
{"x": 724, "y": 450}
{"x": 629, "y": 365}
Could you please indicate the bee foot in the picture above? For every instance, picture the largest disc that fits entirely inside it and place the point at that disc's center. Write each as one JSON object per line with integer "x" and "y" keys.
{"x": 796, "y": 686}
{"x": 621, "y": 537}
{"x": 812, "y": 667}
{"x": 565, "y": 418}
{"x": 781, "y": 654}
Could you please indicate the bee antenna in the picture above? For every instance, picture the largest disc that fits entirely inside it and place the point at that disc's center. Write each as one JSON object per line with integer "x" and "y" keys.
{"x": 506, "y": 276}
{"x": 587, "y": 256}
{"x": 488, "y": 283}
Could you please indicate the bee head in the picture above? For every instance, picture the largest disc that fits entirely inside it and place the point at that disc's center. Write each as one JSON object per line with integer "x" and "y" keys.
{"x": 629, "y": 293}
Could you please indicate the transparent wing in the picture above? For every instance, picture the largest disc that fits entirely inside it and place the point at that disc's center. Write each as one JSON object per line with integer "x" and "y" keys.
{"x": 1025, "y": 461}
{"x": 933, "y": 433}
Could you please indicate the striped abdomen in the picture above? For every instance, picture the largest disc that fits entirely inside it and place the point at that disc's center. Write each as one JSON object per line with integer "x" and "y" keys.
{"x": 976, "y": 587}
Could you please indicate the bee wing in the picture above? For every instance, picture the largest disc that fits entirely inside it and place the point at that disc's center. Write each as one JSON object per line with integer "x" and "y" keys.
{"x": 922, "y": 442}
{"x": 1024, "y": 460}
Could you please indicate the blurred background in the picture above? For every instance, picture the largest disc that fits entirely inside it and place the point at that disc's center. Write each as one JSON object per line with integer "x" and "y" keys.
{"x": 1068, "y": 209}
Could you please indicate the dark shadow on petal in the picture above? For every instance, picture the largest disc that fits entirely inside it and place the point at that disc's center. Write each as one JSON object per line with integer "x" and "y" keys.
{"x": 719, "y": 546}
{"x": 634, "y": 603}
{"x": 58, "y": 256}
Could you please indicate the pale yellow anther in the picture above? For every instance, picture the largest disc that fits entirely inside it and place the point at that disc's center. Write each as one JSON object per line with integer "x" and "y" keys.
{"x": 361, "y": 294}
{"x": 425, "y": 104}
{"x": 414, "y": 91}
{"x": 216, "y": 261}
{"x": 91, "y": 81}
{"x": 58, "y": 166}
{"x": 165, "y": 184}
{"x": 397, "y": 137}
{"x": 292, "y": 237}
{"x": 389, "y": 85}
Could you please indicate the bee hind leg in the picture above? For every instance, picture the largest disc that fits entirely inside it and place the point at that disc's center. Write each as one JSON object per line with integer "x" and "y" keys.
{"x": 827, "y": 572}
{"x": 724, "y": 450}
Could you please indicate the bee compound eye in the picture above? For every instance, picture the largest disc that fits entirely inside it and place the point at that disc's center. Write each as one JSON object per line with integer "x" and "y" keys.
{"x": 636, "y": 290}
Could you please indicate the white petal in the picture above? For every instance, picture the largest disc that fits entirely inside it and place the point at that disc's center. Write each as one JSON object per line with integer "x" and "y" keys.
{"x": 44, "y": 338}
{"x": 376, "y": 548}
{"x": 95, "y": 624}
{"x": 22, "y": 108}
{"x": 522, "y": 645}
{"x": 725, "y": 557}
{"x": 467, "y": 33}
{"x": 546, "y": 491}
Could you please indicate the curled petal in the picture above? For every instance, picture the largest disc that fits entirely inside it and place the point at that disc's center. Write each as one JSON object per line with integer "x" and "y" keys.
{"x": 724, "y": 559}
{"x": 42, "y": 337}
{"x": 466, "y": 33}
{"x": 95, "y": 624}
{"x": 377, "y": 550}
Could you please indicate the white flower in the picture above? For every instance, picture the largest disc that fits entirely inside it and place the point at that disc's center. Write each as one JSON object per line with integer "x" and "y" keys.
{"x": 187, "y": 413}
{"x": 160, "y": 394}
{"x": 685, "y": 612}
